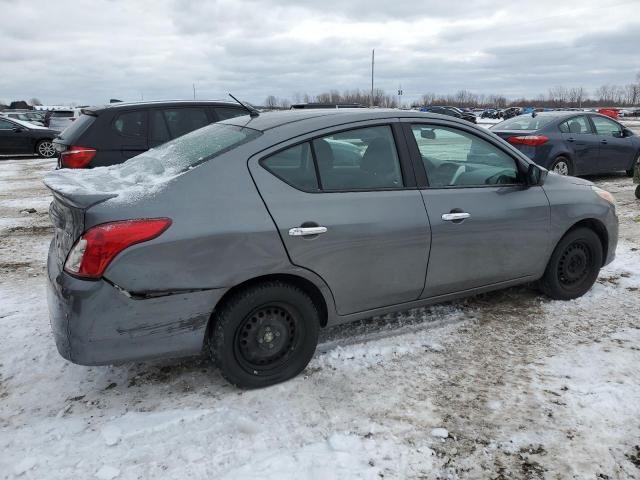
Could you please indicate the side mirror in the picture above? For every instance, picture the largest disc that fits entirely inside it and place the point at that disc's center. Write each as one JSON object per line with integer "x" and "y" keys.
{"x": 428, "y": 134}
{"x": 627, "y": 133}
{"x": 535, "y": 175}
{"x": 17, "y": 129}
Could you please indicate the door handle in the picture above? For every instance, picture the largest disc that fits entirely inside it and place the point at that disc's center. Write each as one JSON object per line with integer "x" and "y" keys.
{"x": 571, "y": 139}
{"x": 303, "y": 231}
{"x": 456, "y": 216}
{"x": 604, "y": 142}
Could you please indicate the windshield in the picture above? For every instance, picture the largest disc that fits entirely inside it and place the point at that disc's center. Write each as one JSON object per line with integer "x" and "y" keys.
{"x": 199, "y": 146}
{"x": 524, "y": 122}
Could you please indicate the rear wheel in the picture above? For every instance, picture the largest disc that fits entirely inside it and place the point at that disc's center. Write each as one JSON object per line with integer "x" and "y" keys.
{"x": 264, "y": 335}
{"x": 45, "y": 149}
{"x": 561, "y": 166}
{"x": 638, "y": 192}
{"x": 574, "y": 265}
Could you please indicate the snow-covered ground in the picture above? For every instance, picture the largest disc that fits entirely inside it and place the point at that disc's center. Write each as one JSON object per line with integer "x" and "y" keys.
{"x": 506, "y": 385}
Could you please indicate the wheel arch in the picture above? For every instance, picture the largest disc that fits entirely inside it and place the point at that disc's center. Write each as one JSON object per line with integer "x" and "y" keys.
{"x": 304, "y": 284}
{"x": 598, "y": 227}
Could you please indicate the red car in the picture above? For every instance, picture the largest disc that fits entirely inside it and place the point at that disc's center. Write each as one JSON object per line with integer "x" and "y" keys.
{"x": 609, "y": 112}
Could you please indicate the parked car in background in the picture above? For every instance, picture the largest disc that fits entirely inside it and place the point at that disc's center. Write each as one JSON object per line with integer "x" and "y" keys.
{"x": 18, "y": 137}
{"x": 571, "y": 143}
{"x": 511, "y": 112}
{"x": 25, "y": 116}
{"x": 258, "y": 233}
{"x": 60, "y": 119}
{"x": 490, "y": 113}
{"x": 111, "y": 134}
{"x": 450, "y": 111}
{"x": 609, "y": 112}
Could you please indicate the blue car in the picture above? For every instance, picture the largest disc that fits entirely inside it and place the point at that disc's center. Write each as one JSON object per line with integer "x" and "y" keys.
{"x": 572, "y": 143}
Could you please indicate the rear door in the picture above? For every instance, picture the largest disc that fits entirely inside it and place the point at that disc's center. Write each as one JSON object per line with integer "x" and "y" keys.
{"x": 616, "y": 152}
{"x": 487, "y": 226}
{"x": 581, "y": 140}
{"x": 360, "y": 225}
{"x": 129, "y": 133}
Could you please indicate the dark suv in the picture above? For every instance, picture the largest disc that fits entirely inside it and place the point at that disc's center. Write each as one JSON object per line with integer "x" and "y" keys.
{"x": 111, "y": 134}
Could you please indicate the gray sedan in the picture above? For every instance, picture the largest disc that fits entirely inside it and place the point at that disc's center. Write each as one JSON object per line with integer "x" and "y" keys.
{"x": 245, "y": 237}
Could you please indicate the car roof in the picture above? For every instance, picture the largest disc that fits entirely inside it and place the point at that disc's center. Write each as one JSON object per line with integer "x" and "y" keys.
{"x": 160, "y": 103}
{"x": 324, "y": 118}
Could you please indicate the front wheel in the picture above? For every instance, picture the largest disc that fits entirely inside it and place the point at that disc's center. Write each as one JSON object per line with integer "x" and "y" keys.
{"x": 561, "y": 166}
{"x": 574, "y": 265}
{"x": 45, "y": 149}
{"x": 638, "y": 192}
{"x": 264, "y": 334}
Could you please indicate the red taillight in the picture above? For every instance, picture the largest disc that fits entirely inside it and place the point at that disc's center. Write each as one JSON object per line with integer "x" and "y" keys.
{"x": 77, "y": 157}
{"x": 95, "y": 249}
{"x": 531, "y": 140}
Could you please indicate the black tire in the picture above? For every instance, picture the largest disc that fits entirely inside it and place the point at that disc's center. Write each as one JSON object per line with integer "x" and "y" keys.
{"x": 556, "y": 166}
{"x": 45, "y": 149}
{"x": 264, "y": 334}
{"x": 638, "y": 192}
{"x": 629, "y": 173}
{"x": 574, "y": 265}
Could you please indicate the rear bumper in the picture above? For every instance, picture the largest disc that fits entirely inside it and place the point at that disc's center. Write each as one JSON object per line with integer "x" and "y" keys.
{"x": 94, "y": 323}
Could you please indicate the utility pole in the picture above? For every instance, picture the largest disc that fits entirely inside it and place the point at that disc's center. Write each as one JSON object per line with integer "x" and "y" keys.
{"x": 194, "y": 91}
{"x": 400, "y": 92}
{"x": 373, "y": 58}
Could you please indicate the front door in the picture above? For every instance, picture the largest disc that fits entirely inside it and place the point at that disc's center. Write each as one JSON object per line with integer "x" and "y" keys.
{"x": 616, "y": 152}
{"x": 346, "y": 207}
{"x": 14, "y": 138}
{"x": 487, "y": 226}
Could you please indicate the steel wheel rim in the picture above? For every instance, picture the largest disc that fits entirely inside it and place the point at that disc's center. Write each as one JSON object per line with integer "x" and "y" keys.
{"x": 267, "y": 337}
{"x": 575, "y": 265}
{"x": 46, "y": 149}
{"x": 561, "y": 168}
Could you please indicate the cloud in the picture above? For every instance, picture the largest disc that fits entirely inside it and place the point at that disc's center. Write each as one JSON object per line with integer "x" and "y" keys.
{"x": 95, "y": 50}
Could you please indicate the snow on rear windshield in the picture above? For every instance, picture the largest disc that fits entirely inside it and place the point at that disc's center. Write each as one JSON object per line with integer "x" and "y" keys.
{"x": 524, "y": 122}
{"x": 150, "y": 171}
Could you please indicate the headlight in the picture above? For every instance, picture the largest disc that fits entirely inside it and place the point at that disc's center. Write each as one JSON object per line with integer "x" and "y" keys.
{"x": 604, "y": 195}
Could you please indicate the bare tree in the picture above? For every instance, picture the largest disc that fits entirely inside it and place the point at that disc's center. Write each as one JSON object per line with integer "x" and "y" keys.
{"x": 271, "y": 101}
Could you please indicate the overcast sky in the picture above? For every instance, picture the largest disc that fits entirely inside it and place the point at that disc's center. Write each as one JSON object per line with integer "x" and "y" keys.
{"x": 90, "y": 51}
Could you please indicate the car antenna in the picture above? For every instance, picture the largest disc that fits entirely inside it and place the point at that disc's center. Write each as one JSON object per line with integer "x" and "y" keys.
{"x": 252, "y": 111}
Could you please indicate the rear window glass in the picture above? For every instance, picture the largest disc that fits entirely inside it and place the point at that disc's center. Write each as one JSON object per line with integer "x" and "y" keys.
{"x": 199, "y": 146}
{"x": 131, "y": 124}
{"x": 295, "y": 166}
{"x": 524, "y": 122}
{"x": 58, "y": 113}
{"x": 77, "y": 128}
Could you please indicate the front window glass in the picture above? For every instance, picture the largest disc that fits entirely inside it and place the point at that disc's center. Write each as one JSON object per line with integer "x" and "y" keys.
{"x": 454, "y": 158}
{"x": 184, "y": 120}
{"x": 607, "y": 127}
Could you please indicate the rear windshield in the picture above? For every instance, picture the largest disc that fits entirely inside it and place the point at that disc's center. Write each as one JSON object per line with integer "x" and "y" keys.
{"x": 524, "y": 122}
{"x": 199, "y": 146}
{"x": 77, "y": 128}
{"x": 62, "y": 113}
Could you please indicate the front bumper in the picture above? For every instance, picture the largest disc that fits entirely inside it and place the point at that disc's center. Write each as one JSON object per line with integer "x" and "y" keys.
{"x": 94, "y": 323}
